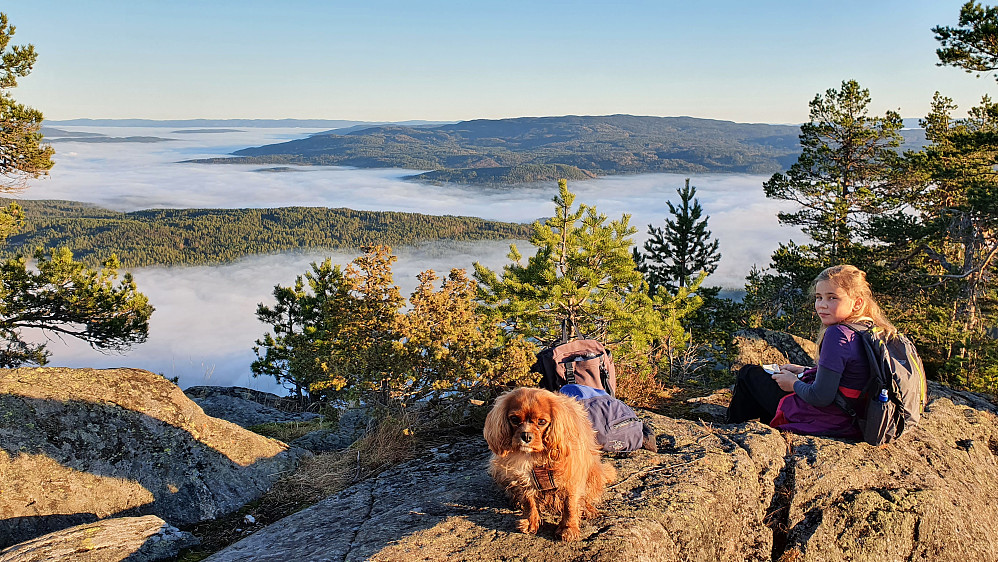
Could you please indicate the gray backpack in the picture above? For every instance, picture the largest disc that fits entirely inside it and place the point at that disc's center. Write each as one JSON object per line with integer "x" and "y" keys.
{"x": 895, "y": 396}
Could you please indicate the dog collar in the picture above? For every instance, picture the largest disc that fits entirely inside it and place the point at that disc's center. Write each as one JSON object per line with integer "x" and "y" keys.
{"x": 543, "y": 478}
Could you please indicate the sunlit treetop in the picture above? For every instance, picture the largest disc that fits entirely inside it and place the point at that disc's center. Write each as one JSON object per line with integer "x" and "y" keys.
{"x": 22, "y": 154}
{"x": 973, "y": 44}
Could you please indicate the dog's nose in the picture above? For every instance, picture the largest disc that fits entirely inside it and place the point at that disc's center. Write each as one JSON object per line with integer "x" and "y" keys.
{"x": 526, "y": 437}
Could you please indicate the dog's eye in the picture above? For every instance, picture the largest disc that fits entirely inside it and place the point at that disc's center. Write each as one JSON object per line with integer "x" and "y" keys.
{"x": 542, "y": 422}
{"x": 514, "y": 420}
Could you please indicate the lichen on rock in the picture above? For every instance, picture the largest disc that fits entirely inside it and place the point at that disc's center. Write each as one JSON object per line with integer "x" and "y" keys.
{"x": 79, "y": 445}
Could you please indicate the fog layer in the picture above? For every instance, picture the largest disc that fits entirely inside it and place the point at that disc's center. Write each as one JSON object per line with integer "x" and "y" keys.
{"x": 204, "y": 325}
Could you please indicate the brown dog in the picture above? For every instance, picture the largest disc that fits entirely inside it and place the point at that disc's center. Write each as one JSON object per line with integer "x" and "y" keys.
{"x": 545, "y": 456}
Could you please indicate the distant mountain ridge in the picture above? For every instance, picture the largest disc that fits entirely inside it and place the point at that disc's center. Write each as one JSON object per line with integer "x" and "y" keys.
{"x": 526, "y": 149}
{"x": 515, "y": 150}
{"x": 260, "y": 123}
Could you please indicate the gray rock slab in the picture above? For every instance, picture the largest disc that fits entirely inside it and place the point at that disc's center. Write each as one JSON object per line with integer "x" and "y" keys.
{"x": 933, "y": 495}
{"x": 759, "y": 346}
{"x": 445, "y": 507}
{"x": 135, "y": 539}
{"x": 741, "y": 492}
{"x": 81, "y": 445}
{"x": 246, "y": 413}
{"x": 352, "y": 424}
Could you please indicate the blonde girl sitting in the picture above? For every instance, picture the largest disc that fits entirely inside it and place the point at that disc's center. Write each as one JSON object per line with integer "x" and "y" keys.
{"x": 800, "y": 399}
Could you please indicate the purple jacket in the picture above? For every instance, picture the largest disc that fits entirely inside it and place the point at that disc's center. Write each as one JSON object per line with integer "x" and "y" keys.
{"x": 841, "y": 353}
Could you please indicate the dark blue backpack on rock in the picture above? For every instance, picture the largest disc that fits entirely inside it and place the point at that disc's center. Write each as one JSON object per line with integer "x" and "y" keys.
{"x": 618, "y": 428}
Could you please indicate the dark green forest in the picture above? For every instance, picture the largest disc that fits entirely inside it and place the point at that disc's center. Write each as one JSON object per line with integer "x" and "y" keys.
{"x": 505, "y": 175}
{"x": 212, "y": 236}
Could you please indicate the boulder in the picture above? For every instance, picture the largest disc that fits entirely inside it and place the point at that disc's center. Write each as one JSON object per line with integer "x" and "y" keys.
{"x": 81, "y": 445}
{"x": 352, "y": 424}
{"x": 288, "y": 404}
{"x": 758, "y": 346}
{"x": 247, "y": 407}
{"x": 135, "y": 539}
{"x": 713, "y": 492}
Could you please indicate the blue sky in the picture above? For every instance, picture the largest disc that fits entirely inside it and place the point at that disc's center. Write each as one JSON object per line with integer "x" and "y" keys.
{"x": 739, "y": 60}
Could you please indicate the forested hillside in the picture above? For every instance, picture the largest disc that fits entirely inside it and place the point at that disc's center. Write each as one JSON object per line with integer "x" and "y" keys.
{"x": 211, "y": 236}
{"x": 524, "y": 149}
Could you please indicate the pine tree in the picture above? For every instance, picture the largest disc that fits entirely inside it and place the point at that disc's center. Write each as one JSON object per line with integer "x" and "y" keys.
{"x": 450, "y": 347}
{"x": 371, "y": 348}
{"x": 305, "y": 324}
{"x": 335, "y": 330}
{"x": 342, "y": 332}
{"x": 57, "y": 295}
{"x": 22, "y": 154}
{"x": 847, "y": 172}
{"x": 583, "y": 273}
{"x": 974, "y": 45}
{"x": 62, "y": 296}
{"x": 675, "y": 253}
{"x": 962, "y": 200}
{"x": 950, "y": 244}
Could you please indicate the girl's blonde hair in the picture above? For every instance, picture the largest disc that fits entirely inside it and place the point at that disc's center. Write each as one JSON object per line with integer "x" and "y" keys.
{"x": 852, "y": 280}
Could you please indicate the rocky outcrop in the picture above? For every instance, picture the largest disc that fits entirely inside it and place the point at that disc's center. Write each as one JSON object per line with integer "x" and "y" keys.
{"x": 932, "y": 496}
{"x": 758, "y": 346}
{"x": 247, "y": 407}
{"x": 285, "y": 403}
{"x": 713, "y": 492}
{"x": 136, "y": 539}
{"x": 351, "y": 425}
{"x": 82, "y": 445}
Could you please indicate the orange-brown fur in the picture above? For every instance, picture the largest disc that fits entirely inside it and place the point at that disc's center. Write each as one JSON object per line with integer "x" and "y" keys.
{"x": 531, "y": 426}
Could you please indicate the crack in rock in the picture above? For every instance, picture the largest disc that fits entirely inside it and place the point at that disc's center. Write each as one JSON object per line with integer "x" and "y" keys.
{"x": 777, "y": 516}
{"x": 372, "y": 495}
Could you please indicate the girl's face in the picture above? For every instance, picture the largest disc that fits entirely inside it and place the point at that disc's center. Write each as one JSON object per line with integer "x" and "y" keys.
{"x": 832, "y": 303}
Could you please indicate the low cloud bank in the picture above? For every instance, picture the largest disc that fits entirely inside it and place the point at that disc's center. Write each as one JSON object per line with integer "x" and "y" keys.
{"x": 204, "y": 325}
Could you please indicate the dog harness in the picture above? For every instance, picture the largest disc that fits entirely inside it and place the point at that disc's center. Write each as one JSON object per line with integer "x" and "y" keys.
{"x": 543, "y": 478}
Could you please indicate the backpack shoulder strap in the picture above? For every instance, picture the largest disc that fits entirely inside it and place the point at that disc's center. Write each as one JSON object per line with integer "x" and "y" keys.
{"x": 843, "y": 403}
{"x": 858, "y": 327}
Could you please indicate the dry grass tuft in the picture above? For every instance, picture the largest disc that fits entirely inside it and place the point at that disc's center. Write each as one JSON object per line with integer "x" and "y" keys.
{"x": 391, "y": 441}
{"x": 792, "y": 555}
{"x": 638, "y": 389}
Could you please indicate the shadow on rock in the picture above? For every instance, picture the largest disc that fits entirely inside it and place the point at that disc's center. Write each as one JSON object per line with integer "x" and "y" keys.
{"x": 133, "y": 539}
{"x": 713, "y": 492}
{"x": 445, "y": 507}
{"x": 136, "y": 447}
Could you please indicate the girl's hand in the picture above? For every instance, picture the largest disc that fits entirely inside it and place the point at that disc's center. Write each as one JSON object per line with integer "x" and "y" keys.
{"x": 791, "y": 368}
{"x": 786, "y": 380}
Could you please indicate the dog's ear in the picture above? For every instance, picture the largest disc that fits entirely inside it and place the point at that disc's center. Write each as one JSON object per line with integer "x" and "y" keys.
{"x": 498, "y": 433}
{"x": 570, "y": 428}
{"x": 561, "y": 427}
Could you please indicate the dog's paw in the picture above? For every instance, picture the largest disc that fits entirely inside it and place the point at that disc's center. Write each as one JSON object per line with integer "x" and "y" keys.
{"x": 528, "y": 526}
{"x": 569, "y": 534}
